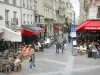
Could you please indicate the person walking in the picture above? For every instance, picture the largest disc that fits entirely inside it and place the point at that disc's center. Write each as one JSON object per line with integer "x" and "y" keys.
{"x": 65, "y": 43}
{"x": 62, "y": 47}
{"x": 32, "y": 58}
{"x": 57, "y": 47}
{"x": 69, "y": 38}
{"x": 30, "y": 62}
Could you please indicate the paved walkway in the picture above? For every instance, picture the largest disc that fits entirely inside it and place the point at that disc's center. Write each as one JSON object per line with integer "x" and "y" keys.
{"x": 50, "y": 63}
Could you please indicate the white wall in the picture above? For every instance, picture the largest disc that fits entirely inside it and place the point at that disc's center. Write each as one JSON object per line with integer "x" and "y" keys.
{"x": 92, "y": 12}
{"x": 4, "y": 7}
{"x": 26, "y": 12}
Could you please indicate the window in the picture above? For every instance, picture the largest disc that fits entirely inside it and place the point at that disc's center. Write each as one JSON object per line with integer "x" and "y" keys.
{"x": 6, "y": 16}
{"x": 35, "y": 18}
{"x": 28, "y": 18}
{"x": 14, "y": 2}
{"x": 31, "y": 19}
{"x": 6, "y": 1}
{"x": 23, "y": 3}
{"x": 24, "y": 19}
{"x": 27, "y": 4}
{"x": 31, "y": 3}
{"x": 14, "y": 14}
{"x": 98, "y": 9}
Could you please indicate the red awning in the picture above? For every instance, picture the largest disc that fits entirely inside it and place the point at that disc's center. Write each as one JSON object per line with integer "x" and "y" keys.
{"x": 58, "y": 26}
{"x": 28, "y": 32}
{"x": 89, "y": 25}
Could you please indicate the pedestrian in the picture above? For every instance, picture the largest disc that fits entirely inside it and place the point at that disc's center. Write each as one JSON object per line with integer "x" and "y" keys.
{"x": 65, "y": 43}
{"x": 62, "y": 35}
{"x": 57, "y": 47}
{"x": 69, "y": 38}
{"x": 62, "y": 47}
{"x": 32, "y": 53}
{"x": 31, "y": 62}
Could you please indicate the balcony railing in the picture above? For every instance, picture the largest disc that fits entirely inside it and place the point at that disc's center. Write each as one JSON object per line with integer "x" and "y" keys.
{"x": 98, "y": 15}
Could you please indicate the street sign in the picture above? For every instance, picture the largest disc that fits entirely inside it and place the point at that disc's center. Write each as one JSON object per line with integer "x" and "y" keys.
{"x": 73, "y": 29}
{"x": 73, "y": 34}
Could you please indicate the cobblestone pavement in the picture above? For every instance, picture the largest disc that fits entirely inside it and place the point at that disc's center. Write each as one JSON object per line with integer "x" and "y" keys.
{"x": 50, "y": 63}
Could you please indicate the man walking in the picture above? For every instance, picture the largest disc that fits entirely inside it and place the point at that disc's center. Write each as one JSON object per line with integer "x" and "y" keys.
{"x": 57, "y": 47}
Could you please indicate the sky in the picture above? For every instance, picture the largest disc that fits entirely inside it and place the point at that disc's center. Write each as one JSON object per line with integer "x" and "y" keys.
{"x": 75, "y": 4}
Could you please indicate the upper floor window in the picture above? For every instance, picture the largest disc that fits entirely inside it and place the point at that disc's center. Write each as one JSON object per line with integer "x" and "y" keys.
{"x": 24, "y": 19}
{"x": 27, "y": 4}
{"x": 14, "y": 2}
{"x": 23, "y": 3}
{"x": 98, "y": 9}
{"x": 6, "y": 1}
{"x": 14, "y": 14}
{"x": 31, "y": 4}
{"x": 28, "y": 18}
{"x": 7, "y": 17}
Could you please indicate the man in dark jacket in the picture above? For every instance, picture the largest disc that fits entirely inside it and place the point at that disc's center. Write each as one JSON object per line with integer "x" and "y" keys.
{"x": 58, "y": 47}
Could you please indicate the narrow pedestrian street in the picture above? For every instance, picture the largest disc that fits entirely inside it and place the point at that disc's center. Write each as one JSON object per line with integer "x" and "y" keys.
{"x": 50, "y": 63}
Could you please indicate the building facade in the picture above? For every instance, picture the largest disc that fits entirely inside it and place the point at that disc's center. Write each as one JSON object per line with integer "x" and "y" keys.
{"x": 82, "y": 11}
{"x": 27, "y": 12}
{"x": 89, "y": 9}
{"x": 10, "y": 11}
{"x": 14, "y": 14}
{"x": 49, "y": 15}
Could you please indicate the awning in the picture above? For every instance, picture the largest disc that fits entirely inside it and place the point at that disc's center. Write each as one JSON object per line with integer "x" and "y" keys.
{"x": 89, "y": 25}
{"x": 38, "y": 29}
{"x": 10, "y": 35}
{"x": 58, "y": 26}
{"x": 31, "y": 30}
{"x": 26, "y": 32}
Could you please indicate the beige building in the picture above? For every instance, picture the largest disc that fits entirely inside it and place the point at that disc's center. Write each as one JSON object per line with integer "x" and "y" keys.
{"x": 89, "y": 9}
{"x": 51, "y": 12}
{"x": 49, "y": 15}
{"x": 82, "y": 11}
{"x": 92, "y": 9}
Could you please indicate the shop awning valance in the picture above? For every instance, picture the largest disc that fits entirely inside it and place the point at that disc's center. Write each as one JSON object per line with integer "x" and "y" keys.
{"x": 31, "y": 30}
{"x": 89, "y": 25}
{"x": 38, "y": 29}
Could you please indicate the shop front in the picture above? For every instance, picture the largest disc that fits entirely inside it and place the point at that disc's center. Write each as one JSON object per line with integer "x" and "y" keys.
{"x": 30, "y": 34}
{"x": 89, "y": 29}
